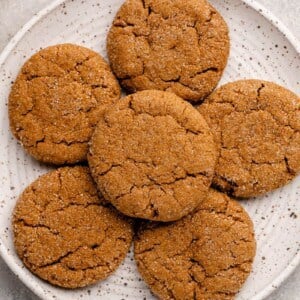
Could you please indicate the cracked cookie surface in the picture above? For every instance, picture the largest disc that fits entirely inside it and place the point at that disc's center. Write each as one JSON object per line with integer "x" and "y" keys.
{"x": 174, "y": 45}
{"x": 256, "y": 125}
{"x": 144, "y": 156}
{"x": 64, "y": 234}
{"x": 55, "y": 101}
{"x": 206, "y": 255}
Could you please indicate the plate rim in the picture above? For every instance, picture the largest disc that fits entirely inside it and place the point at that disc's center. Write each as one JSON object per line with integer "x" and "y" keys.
{"x": 259, "y": 8}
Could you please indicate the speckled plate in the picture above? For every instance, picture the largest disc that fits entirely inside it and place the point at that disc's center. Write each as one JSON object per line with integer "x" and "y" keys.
{"x": 261, "y": 47}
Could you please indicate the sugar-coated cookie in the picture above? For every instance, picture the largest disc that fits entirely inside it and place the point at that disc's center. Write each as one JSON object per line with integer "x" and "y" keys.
{"x": 55, "y": 102}
{"x": 172, "y": 45}
{"x": 256, "y": 125}
{"x": 64, "y": 234}
{"x": 206, "y": 255}
{"x": 152, "y": 156}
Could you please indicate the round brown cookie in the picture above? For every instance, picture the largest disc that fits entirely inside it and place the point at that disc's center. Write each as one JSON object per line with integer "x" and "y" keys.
{"x": 172, "y": 45}
{"x": 55, "y": 101}
{"x": 256, "y": 125}
{"x": 64, "y": 234}
{"x": 206, "y": 255}
{"x": 144, "y": 156}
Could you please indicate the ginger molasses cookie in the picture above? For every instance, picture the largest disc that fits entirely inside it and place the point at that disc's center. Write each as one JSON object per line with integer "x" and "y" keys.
{"x": 206, "y": 255}
{"x": 64, "y": 234}
{"x": 172, "y": 45}
{"x": 55, "y": 101}
{"x": 256, "y": 125}
{"x": 144, "y": 156}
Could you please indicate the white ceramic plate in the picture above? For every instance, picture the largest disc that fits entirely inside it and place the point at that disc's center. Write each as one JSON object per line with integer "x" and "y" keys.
{"x": 261, "y": 47}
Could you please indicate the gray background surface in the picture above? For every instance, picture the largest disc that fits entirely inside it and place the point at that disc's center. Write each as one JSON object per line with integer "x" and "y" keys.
{"x": 15, "y": 13}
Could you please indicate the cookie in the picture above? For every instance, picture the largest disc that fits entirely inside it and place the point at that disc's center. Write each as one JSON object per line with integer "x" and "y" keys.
{"x": 55, "y": 101}
{"x": 172, "y": 45}
{"x": 256, "y": 125}
{"x": 206, "y": 255}
{"x": 64, "y": 234}
{"x": 144, "y": 156}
